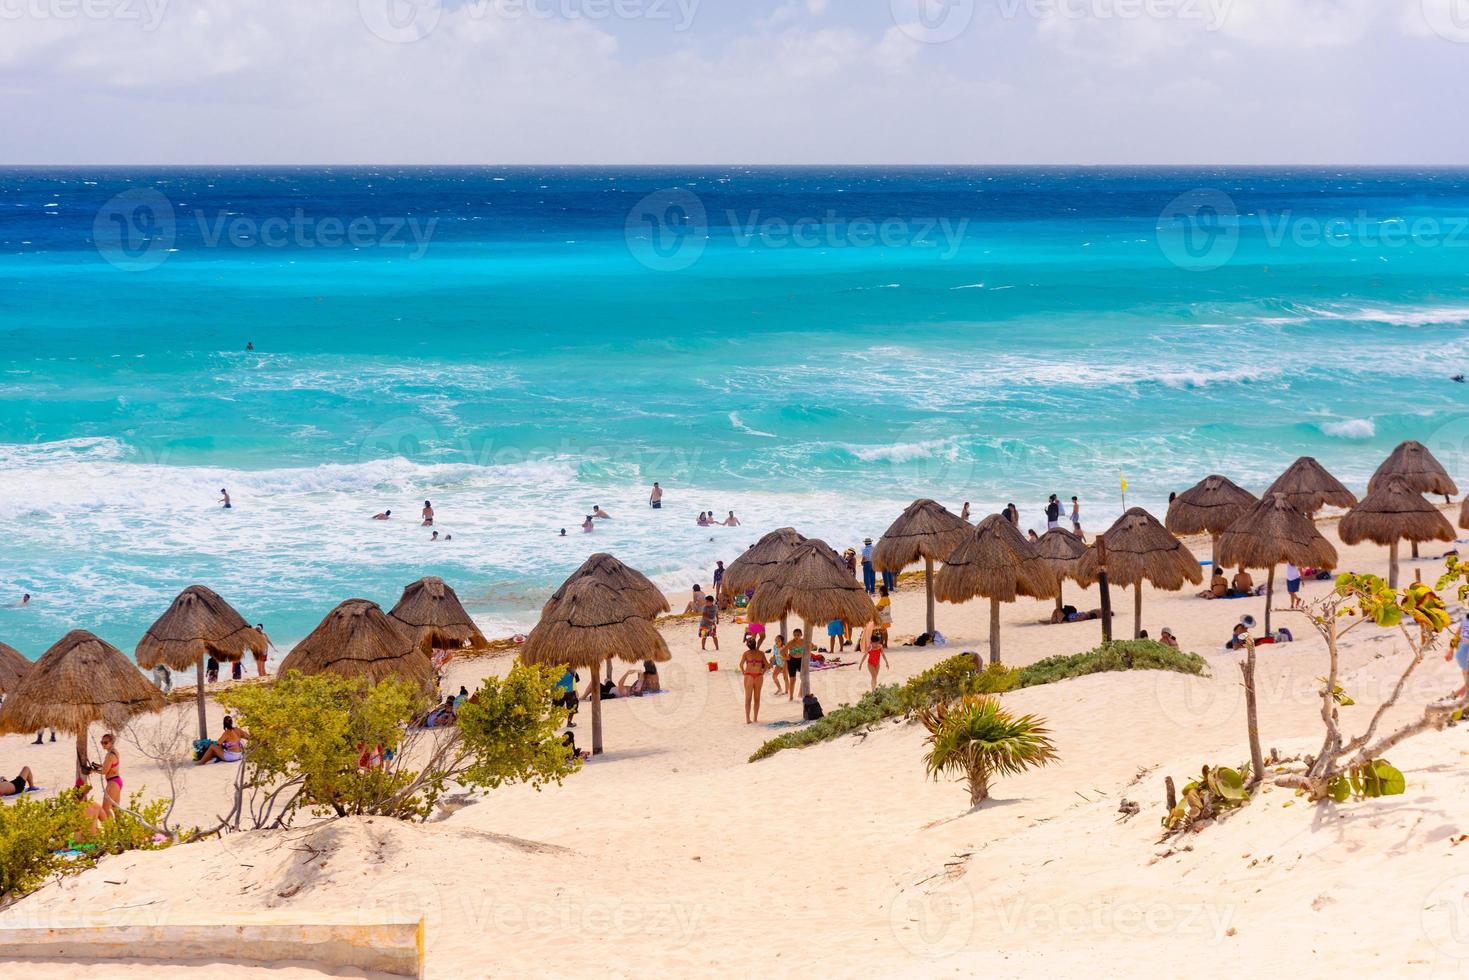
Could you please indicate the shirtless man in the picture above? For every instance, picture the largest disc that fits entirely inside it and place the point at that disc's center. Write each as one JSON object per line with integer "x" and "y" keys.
{"x": 599, "y": 513}
{"x": 385, "y": 515}
{"x": 731, "y": 520}
{"x": 224, "y": 498}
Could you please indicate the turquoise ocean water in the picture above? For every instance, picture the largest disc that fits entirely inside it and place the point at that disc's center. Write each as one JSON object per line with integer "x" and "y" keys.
{"x": 812, "y": 346}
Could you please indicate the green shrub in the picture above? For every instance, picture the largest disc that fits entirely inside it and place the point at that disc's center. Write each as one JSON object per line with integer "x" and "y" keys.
{"x": 32, "y": 832}
{"x": 1115, "y": 656}
{"x": 952, "y": 679}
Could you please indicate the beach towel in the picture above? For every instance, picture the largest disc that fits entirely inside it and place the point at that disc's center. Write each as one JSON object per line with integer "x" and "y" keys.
{"x": 28, "y": 792}
{"x": 833, "y": 665}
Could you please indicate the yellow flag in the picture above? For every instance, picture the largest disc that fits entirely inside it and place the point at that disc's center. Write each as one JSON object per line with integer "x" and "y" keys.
{"x": 1124, "y": 480}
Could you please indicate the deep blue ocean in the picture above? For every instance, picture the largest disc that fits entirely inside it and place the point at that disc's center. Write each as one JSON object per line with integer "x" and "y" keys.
{"x": 807, "y": 346}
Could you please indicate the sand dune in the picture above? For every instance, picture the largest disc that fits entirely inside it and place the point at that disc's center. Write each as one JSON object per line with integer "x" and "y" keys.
{"x": 671, "y": 855}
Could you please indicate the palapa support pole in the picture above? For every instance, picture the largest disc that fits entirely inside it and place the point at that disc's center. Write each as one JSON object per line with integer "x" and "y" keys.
{"x": 83, "y": 768}
{"x": 1137, "y": 611}
{"x": 1392, "y": 564}
{"x": 1269, "y": 596}
{"x": 806, "y": 662}
{"x": 994, "y": 631}
{"x": 1104, "y": 588}
{"x": 1252, "y": 716}
{"x": 928, "y": 584}
{"x": 1214, "y": 549}
{"x": 1415, "y": 549}
{"x": 597, "y": 712}
{"x": 199, "y": 696}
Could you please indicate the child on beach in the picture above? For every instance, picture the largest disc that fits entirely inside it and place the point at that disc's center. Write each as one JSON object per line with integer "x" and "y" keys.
{"x": 709, "y": 624}
{"x": 877, "y": 655}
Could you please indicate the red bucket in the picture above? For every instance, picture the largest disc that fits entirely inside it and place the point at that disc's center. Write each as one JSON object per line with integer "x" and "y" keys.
{"x": 713, "y": 666}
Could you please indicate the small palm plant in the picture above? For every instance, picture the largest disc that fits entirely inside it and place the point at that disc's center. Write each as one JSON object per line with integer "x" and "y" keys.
{"x": 977, "y": 739}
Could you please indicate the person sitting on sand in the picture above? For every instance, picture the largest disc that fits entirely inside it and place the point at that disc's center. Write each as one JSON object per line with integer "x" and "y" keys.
{"x": 608, "y": 689}
{"x": 1168, "y": 639}
{"x": 599, "y": 513}
{"x": 229, "y": 748}
{"x": 18, "y": 784}
{"x": 753, "y": 666}
{"x": 1242, "y": 586}
{"x": 651, "y": 684}
{"x": 731, "y": 520}
{"x": 442, "y": 716}
{"x": 1238, "y": 637}
{"x": 1070, "y": 614}
{"x": 1218, "y": 586}
{"x": 385, "y": 515}
{"x": 633, "y": 688}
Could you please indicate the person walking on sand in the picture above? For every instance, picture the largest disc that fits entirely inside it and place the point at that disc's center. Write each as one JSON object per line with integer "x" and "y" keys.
{"x": 224, "y": 498}
{"x": 655, "y": 499}
{"x": 709, "y": 624}
{"x": 262, "y": 655}
{"x": 753, "y": 666}
{"x": 1293, "y": 584}
{"x": 869, "y": 577}
{"x": 719, "y": 583}
{"x": 877, "y": 655}
{"x": 793, "y": 652}
{"x": 1076, "y": 517}
{"x": 428, "y": 514}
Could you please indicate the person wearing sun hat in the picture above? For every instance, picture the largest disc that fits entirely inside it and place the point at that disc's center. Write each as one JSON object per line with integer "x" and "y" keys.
{"x": 869, "y": 578}
{"x": 1167, "y": 638}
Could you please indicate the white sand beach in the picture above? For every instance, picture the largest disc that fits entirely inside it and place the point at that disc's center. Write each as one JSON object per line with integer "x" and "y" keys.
{"x": 671, "y": 855}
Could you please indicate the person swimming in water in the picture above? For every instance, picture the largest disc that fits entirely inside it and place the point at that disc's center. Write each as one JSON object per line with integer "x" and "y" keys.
{"x": 599, "y": 513}
{"x": 428, "y": 514}
{"x": 435, "y": 536}
{"x": 385, "y": 515}
{"x": 587, "y": 525}
{"x": 224, "y": 498}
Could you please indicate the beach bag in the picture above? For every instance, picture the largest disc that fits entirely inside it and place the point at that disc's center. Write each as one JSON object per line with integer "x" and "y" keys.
{"x": 201, "y": 745}
{"x": 922, "y": 640}
{"x": 811, "y": 708}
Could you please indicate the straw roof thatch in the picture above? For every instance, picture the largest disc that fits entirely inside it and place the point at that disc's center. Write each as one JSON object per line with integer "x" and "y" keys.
{"x": 1061, "y": 550}
{"x": 1393, "y": 512}
{"x": 357, "y": 639}
{"x": 80, "y": 680}
{"x": 813, "y": 584}
{"x": 749, "y": 569}
{"x": 1209, "y": 507}
{"x": 1417, "y": 466}
{"x": 647, "y": 599}
{"x": 995, "y": 561}
{"x": 431, "y": 611}
{"x": 196, "y": 626}
{"x": 926, "y": 529}
{"x": 1275, "y": 531}
{"x": 13, "y": 668}
{"x": 593, "y": 623}
{"x": 1308, "y": 487}
{"x": 1464, "y": 514}
{"x": 1140, "y": 549}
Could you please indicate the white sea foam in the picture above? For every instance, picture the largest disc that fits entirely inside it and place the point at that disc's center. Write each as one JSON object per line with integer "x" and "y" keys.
{"x": 739, "y": 426}
{"x": 904, "y": 452}
{"x": 1356, "y": 429}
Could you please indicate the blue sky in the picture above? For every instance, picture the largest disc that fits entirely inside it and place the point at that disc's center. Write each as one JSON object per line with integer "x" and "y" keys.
{"x": 743, "y": 81}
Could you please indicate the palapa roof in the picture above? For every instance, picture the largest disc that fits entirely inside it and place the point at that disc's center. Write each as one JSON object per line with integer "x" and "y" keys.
{"x": 591, "y": 623}
{"x": 1394, "y": 512}
{"x": 926, "y": 529}
{"x": 1464, "y": 513}
{"x": 1140, "y": 549}
{"x": 1308, "y": 487}
{"x": 1209, "y": 507}
{"x": 750, "y": 569}
{"x": 1061, "y": 550}
{"x": 995, "y": 561}
{"x": 358, "y": 639}
{"x": 13, "y": 668}
{"x": 1414, "y": 463}
{"x": 647, "y": 599}
{"x": 197, "y": 625}
{"x": 1275, "y": 531}
{"x": 431, "y": 611}
{"x": 815, "y": 585}
{"x": 82, "y": 679}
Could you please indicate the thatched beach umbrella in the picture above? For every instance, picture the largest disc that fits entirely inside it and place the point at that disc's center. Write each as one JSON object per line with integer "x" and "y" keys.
{"x": 814, "y": 584}
{"x": 1061, "y": 550}
{"x": 926, "y": 530}
{"x": 431, "y": 612}
{"x": 357, "y": 639}
{"x": 1209, "y": 507}
{"x": 13, "y": 668}
{"x": 1274, "y": 531}
{"x": 79, "y": 681}
{"x": 748, "y": 570}
{"x": 1308, "y": 487}
{"x": 995, "y": 562}
{"x": 1418, "y": 468}
{"x": 1138, "y": 550}
{"x": 196, "y": 626}
{"x": 1394, "y": 512}
{"x": 648, "y": 601}
{"x": 591, "y": 623}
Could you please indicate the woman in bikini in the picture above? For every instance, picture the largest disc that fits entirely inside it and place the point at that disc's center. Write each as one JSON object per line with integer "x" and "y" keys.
{"x": 794, "y": 651}
{"x": 112, "y": 777}
{"x": 877, "y": 654}
{"x": 753, "y": 666}
{"x": 229, "y": 748}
